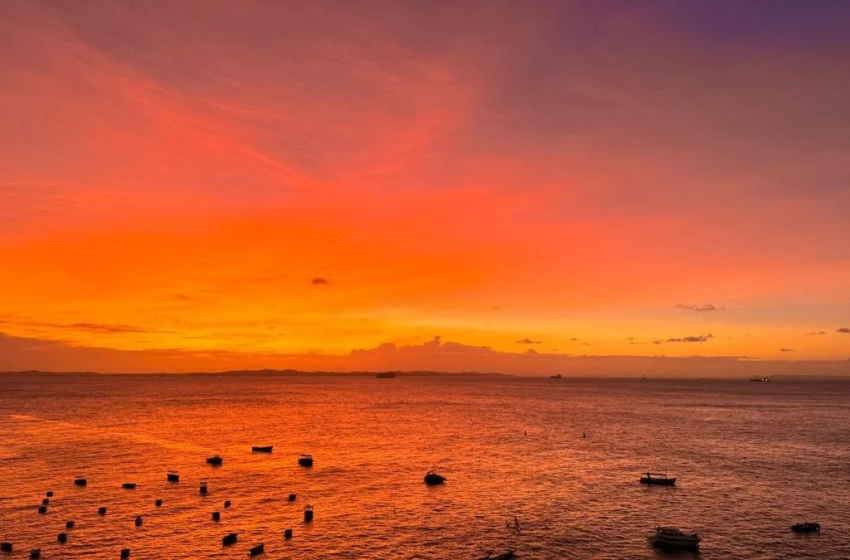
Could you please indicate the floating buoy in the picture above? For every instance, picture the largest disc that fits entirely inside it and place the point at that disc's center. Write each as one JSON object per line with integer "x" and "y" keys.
{"x": 229, "y": 539}
{"x": 256, "y": 550}
{"x": 216, "y": 516}
{"x": 158, "y": 502}
{"x": 287, "y": 534}
{"x": 69, "y": 524}
{"x": 42, "y": 509}
{"x": 292, "y": 497}
{"x": 125, "y": 553}
{"x": 35, "y": 553}
{"x": 227, "y": 503}
{"x": 101, "y": 510}
{"x": 49, "y": 495}
{"x": 308, "y": 513}
{"x": 139, "y": 521}
{"x": 62, "y": 537}
{"x": 45, "y": 501}
{"x": 5, "y": 547}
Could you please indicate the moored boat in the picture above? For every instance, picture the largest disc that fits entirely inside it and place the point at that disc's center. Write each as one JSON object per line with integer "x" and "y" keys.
{"x": 173, "y": 476}
{"x": 215, "y": 460}
{"x": 129, "y": 485}
{"x": 229, "y": 539}
{"x": 305, "y": 460}
{"x": 759, "y": 379}
{"x": 674, "y": 538}
{"x": 808, "y": 527}
{"x": 262, "y": 448}
{"x": 657, "y": 479}
{"x": 80, "y": 481}
{"x": 433, "y": 478}
{"x": 558, "y": 376}
{"x": 258, "y": 549}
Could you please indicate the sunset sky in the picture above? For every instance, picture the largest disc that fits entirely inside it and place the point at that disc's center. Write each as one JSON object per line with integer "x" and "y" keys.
{"x": 206, "y": 185}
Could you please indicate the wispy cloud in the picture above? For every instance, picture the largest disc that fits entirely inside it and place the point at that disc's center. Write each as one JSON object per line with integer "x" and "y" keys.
{"x": 699, "y": 308}
{"x": 843, "y": 330}
{"x": 319, "y": 281}
{"x": 817, "y": 333}
{"x": 786, "y": 349}
{"x": 699, "y": 338}
{"x": 527, "y": 341}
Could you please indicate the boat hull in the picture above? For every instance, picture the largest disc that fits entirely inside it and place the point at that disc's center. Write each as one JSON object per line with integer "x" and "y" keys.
{"x": 658, "y": 481}
{"x": 262, "y": 449}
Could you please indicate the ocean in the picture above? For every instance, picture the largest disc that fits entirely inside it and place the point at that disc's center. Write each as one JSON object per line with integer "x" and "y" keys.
{"x": 751, "y": 459}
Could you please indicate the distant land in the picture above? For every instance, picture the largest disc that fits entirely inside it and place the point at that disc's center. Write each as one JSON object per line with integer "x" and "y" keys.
{"x": 270, "y": 373}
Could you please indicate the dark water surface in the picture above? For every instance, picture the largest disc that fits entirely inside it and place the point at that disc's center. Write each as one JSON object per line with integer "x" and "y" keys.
{"x": 751, "y": 458}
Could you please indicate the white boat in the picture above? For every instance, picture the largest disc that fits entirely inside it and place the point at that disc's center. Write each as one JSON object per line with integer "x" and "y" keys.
{"x": 672, "y": 537}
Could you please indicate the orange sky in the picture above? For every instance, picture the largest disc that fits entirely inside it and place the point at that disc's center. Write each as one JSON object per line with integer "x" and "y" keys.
{"x": 245, "y": 184}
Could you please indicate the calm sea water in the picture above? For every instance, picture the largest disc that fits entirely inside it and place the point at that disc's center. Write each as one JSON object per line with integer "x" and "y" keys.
{"x": 751, "y": 458}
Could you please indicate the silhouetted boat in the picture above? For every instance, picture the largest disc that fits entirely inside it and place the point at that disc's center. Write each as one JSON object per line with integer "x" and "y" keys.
{"x": 80, "y": 481}
{"x": 558, "y": 376}
{"x": 305, "y": 460}
{"x": 673, "y": 538}
{"x": 5, "y": 546}
{"x": 657, "y": 479}
{"x": 35, "y": 553}
{"x": 807, "y": 527}
{"x": 433, "y": 478}
{"x": 129, "y": 485}
{"x": 62, "y": 537}
{"x": 759, "y": 379}
{"x": 308, "y": 512}
{"x": 262, "y": 448}
{"x": 216, "y": 460}
{"x": 203, "y": 488}
{"x": 503, "y": 556}
{"x": 125, "y": 553}
{"x": 258, "y": 549}
{"x": 173, "y": 476}
{"x": 229, "y": 539}
{"x": 139, "y": 521}
{"x": 385, "y": 375}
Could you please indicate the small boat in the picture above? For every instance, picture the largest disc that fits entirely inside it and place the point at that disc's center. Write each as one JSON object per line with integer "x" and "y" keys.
{"x": 287, "y": 534}
{"x": 62, "y": 537}
{"x": 125, "y": 553}
{"x": 42, "y": 509}
{"x": 759, "y": 379}
{"x": 216, "y": 515}
{"x": 386, "y": 375}
{"x": 503, "y": 556}
{"x": 203, "y": 488}
{"x": 69, "y": 524}
{"x": 308, "y": 513}
{"x": 258, "y": 549}
{"x": 807, "y": 527}
{"x": 229, "y": 539}
{"x": 657, "y": 479}
{"x": 139, "y": 521}
{"x": 5, "y": 546}
{"x": 558, "y": 376}
{"x": 433, "y": 478}
{"x": 80, "y": 481}
{"x": 305, "y": 460}
{"x": 173, "y": 476}
{"x": 672, "y": 537}
{"x": 45, "y": 501}
{"x": 215, "y": 460}
{"x": 227, "y": 503}
{"x": 292, "y": 497}
{"x": 101, "y": 510}
{"x": 35, "y": 553}
{"x": 129, "y": 485}
{"x": 50, "y": 494}
{"x": 262, "y": 448}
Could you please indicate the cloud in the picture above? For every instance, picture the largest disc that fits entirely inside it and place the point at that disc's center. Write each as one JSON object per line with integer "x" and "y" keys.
{"x": 818, "y": 333}
{"x": 700, "y": 338}
{"x": 844, "y": 330}
{"x": 104, "y": 328}
{"x": 527, "y": 341}
{"x": 786, "y": 349}
{"x": 699, "y": 308}
{"x": 319, "y": 281}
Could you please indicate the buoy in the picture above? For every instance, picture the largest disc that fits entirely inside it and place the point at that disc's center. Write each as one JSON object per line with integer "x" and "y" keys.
{"x": 63, "y": 537}
{"x": 5, "y": 546}
{"x": 101, "y": 510}
{"x": 292, "y": 497}
{"x": 228, "y": 539}
{"x": 69, "y": 524}
{"x": 139, "y": 521}
{"x": 227, "y": 503}
{"x": 308, "y": 513}
{"x": 158, "y": 502}
{"x": 49, "y": 495}
{"x": 125, "y": 553}
{"x": 45, "y": 501}
{"x": 216, "y": 516}
{"x": 287, "y": 534}
{"x": 42, "y": 509}
{"x": 35, "y": 553}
